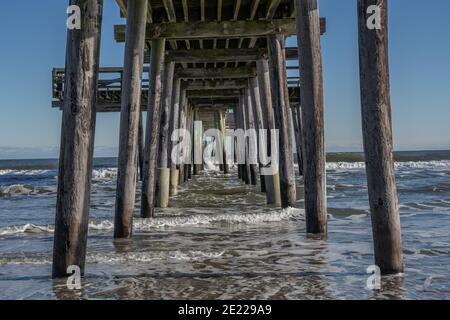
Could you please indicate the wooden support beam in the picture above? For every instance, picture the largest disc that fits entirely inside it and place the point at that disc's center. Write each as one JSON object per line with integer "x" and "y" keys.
{"x": 202, "y": 10}
{"x": 170, "y": 10}
{"x": 77, "y": 141}
{"x": 272, "y": 8}
{"x": 186, "y": 19}
{"x": 197, "y": 142}
{"x": 185, "y": 10}
{"x": 215, "y": 84}
{"x": 213, "y": 101}
{"x": 311, "y": 82}
{"x": 237, "y": 7}
{"x": 241, "y": 149}
{"x": 174, "y": 125}
{"x": 152, "y": 128}
{"x": 280, "y": 100}
{"x": 212, "y": 30}
{"x": 215, "y": 55}
{"x": 122, "y": 6}
{"x": 174, "y": 118}
{"x": 141, "y": 148}
{"x": 219, "y": 10}
{"x": 182, "y": 124}
{"x": 254, "y": 9}
{"x": 189, "y": 167}
{"x": 377, "y": 133}
{"x": 123, "y": 10}
{"x": 213, "y": 93}
{"x": 252, "y": 146}
{"x": 223, "y": 129}
{"x": 215, "y": 73}
{"x": 221, "y": 55}
{"x": 129, "y": 119}
{"x": 259, "y": 122}
{"x": 297, "y": 121}
{"x": 272, "y": 181}
{"x": 163, "y": 183}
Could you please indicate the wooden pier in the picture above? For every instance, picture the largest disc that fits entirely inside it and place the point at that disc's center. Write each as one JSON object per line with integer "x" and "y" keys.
{"x": 224, "y": 63}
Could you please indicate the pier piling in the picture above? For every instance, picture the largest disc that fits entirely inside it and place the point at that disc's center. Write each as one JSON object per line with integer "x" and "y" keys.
{"x": 77, "y": 140}
{"x": 280, "y": 101}
{"x": 311, "y": 83}
{"x": 152, "y": 128}
{"x": 129, "y": 119}
{"x": 377, "y": 134}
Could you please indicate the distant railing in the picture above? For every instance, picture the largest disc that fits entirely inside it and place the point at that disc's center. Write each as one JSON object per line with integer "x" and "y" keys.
{"x": 110, "y": 86}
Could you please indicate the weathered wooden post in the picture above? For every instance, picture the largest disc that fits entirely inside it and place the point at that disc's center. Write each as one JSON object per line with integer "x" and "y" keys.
{"x": 188, "y": 154}
{"x": 280, "y": 100}
{"x": 198, "y": 143}
{"x": 223, "y": 129}
{"x": 259, "y": 124}
{"x": 152, "y": 128}
{"x": 174, "y": 125}
{"x": 241, "y": 147}
{"x": 272, "y": 181}
{"x": 297, "y": 121}
{"x": 183, "y": 126}
{"x": 377, "y": 133}
{"x": 141, "y": 147}
{"x": 218, "y": 126}
{"x": 163, "y": 180}
{"x": 311, "y": 83}
{"x": 247, "y": 167}
{"x": 234, "y": 142}
{"x": 129, "y": 118}
{"x": 77, "y": 140}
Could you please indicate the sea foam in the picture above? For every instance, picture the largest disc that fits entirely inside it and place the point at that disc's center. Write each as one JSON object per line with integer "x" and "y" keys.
{"x": 145, "y": 225}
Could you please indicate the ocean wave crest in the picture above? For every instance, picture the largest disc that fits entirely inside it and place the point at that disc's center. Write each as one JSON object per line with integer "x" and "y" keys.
{"x": 14, "y": 172}
{"x": 115, "y": 258}
{"x": 398, "y": 165}
{"x": 24, "y": 190}
{"x": 143, "y": 225}
{"x": 104, "y": 173}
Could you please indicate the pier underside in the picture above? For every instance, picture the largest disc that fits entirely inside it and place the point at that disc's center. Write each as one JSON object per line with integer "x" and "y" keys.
{"x": 223, "y": 64}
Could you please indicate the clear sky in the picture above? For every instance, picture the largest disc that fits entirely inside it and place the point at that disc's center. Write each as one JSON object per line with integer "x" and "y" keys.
{"x": 33, "y": 37}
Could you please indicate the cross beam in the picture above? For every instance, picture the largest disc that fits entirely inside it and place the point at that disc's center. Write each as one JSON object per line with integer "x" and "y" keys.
{"x": 214, "y": 94}
{"x": 215, "y": 29}
{"x": 214, "y": 73}
{"x": 215, "y": 84}
{"x": 220, "y": 55}
{"x": 210, "y": 30}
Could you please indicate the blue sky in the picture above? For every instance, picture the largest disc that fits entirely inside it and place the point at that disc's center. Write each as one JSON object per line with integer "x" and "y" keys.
{"x": 34, "y": 38}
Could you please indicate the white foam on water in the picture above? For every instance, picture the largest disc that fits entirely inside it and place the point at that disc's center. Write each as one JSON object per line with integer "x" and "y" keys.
{"x": 24, "y": 189}
{"x": 27, "y": 228}
{"x": 96, "y": 174}
{"x": 163, "y": 222}
{"x": 119, "y": 258}
{"x": 254, "y": 218}
{"x": 23, "y": 172}
{"x": 441, "y": 164}
{"x": 104, "y": 173}
{"x": 143, "y": 257}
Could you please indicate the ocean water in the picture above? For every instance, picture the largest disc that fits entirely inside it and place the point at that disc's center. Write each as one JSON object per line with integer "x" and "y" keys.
{"x": 219, "y": 241}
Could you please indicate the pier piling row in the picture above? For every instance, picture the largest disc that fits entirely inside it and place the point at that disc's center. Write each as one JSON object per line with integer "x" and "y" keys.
{"x": 216, "y": 64}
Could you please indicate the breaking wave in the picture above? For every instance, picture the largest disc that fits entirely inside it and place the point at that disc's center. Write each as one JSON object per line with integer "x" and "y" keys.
{"x": 115, "y": 258}
{"x": 143, "y": 225}
{"x": 443, "y": 164}
{"x": 24, "y": 189}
